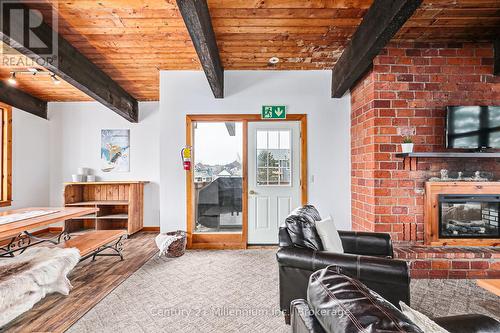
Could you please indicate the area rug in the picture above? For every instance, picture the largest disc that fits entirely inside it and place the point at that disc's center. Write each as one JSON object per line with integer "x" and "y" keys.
{"x": 29, "y": 277}
{"x": 235, "y": 291}
{"x": 439, "y": 298}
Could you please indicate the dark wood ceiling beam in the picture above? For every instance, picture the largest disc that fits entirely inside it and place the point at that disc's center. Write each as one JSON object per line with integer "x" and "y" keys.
{"x": 231, "y": 128}
{"x": 197, "y": 19}
{"x": 496, "y": 55}
{"x": 381, "y": 22}
{"x": 23, "y": 101}
{"x": 73, "y": 67}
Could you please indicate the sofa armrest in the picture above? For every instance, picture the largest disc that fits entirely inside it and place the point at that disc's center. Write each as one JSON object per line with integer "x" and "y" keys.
{"x": 303, "y": 319}
{"x": 296, "y": 257}
{"x": 471, "y": 323}
{"x": 367, "y": 243}
{"x": 388, "y": 277}
{"x": 367, "y": 267}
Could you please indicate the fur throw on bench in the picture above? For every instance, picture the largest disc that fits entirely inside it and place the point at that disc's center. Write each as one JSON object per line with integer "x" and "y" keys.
{"x": 29, "y": 277}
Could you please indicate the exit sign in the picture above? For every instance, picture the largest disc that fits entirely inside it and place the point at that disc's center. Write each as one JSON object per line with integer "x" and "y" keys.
{"x": 274, "y": 112}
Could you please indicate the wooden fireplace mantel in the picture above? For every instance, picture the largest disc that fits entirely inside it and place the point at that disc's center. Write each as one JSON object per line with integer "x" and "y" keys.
{"x": 431, "y": 210}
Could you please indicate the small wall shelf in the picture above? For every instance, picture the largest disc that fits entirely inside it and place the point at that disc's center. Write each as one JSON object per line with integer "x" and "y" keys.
{"x": 410, "y": 160}
{"x": 450, "y": 155}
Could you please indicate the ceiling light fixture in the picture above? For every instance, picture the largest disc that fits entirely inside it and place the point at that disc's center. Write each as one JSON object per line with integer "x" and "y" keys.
{"x": 55, "y": 79}
{"x": 12, "y": 79}
{"x": 274, "y": 60}
{"x": 34, "y": 72}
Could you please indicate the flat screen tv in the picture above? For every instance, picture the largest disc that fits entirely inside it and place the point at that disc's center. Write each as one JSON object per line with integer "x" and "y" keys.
{"x": 473, "y": 127}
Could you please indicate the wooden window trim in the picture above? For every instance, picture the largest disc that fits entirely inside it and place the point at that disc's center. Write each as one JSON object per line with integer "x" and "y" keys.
{"x": 6, "y": 156}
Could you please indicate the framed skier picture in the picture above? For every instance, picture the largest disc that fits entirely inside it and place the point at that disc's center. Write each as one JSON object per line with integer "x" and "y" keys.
{"x": 115, "y": 150}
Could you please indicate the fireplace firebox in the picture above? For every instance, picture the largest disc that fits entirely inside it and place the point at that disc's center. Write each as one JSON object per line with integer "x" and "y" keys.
{"x": 469, "y": 216}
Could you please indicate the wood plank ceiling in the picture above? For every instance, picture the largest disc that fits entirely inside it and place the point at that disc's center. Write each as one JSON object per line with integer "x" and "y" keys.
{"x": 40, "y": 86}
{"x": 132, "y": 40}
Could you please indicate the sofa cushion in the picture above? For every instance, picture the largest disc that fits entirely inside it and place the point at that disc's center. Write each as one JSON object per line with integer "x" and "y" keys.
{"x": 301, "y": 227}
{"x": 343, "y": 304}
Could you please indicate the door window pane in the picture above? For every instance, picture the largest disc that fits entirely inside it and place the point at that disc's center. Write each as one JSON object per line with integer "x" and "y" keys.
{"x": 275, "y": 155}
{"x": 217, "y": 152}
{"x": 261, "y": 140}
{"x": 273, "y": 139}
{"x": 285, "y": 176}
{"x": 262, "y": 158}
{"x": 273, "y": 158}
{"x": 261, "y": 176}
{"x": 273, "y": 176}
{"x": 284, "y": 139}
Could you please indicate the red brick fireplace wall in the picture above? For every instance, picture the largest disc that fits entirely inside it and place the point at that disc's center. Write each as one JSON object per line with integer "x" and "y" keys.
{"x": 409, "y": 87}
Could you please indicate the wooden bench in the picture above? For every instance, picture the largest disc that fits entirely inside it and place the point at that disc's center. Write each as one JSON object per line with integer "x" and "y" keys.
{"x": 93, "y": 243}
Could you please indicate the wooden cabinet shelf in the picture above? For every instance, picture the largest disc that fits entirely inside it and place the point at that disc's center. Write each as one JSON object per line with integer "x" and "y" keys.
{"x": 113, "y": 217}
{"x": 112, "y": 182}
{"x": 100, "y": 203}
{"x": 86, "y": 217}
{"x": 103, "y": 217}
{"x": 121, "y": 205}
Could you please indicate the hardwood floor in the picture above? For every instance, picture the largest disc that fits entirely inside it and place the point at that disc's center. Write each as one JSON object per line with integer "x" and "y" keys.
{"x": 92, "y": 281}
{"x": 492, "y": 285}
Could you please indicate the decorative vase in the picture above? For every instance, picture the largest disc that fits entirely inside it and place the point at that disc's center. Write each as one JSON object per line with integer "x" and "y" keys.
{"x": 77, "y": 178}
{"x": 407, "y": 147}
{"x": 83, "y": 171}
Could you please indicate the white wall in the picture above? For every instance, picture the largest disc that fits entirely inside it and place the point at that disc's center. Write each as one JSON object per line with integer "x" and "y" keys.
{"x": 75, "y": 141}
{"x": 30, "y": 161}
{"x": 187, "y": 92}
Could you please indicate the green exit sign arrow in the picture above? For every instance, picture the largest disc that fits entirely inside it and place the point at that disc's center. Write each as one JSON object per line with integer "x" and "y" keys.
{"x": 274, "y": 112}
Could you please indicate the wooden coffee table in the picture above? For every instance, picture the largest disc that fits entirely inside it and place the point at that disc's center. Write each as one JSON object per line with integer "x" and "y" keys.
{"x": 19, "y": 232}
{"x": 491, "y": 285}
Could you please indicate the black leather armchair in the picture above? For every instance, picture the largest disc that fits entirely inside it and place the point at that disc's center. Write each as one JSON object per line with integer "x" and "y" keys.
{"x": 367, "y": 257}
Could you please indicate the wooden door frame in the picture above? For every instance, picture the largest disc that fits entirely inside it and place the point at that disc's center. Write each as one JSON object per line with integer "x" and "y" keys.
{"x": 226, "y": 240}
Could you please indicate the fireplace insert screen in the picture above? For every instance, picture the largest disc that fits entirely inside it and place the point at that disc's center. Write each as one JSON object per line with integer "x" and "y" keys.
{"x": 468, "y": 216}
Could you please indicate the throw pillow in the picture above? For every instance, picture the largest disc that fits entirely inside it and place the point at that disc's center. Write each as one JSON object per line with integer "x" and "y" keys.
{"x": 422, "y": 321}
{"x": 329, "y": 235}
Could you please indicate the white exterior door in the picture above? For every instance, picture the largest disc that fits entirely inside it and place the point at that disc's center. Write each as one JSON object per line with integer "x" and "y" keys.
{"x": 273, "y": 177}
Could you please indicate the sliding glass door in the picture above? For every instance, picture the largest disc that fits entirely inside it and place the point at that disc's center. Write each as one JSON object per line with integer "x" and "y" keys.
{"x": 218, "y": 177}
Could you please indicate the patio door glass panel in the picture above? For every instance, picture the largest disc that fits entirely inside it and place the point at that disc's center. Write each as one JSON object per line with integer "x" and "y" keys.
{"x": 218, "y": 176}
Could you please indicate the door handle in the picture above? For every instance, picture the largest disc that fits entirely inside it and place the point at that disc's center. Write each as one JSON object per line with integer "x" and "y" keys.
{"x": 252, "y": 192}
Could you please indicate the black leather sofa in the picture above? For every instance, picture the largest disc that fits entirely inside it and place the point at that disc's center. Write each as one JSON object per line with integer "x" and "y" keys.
{"x": 367, "y": 257}
{"x": 339, "y": 304}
